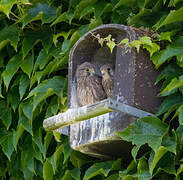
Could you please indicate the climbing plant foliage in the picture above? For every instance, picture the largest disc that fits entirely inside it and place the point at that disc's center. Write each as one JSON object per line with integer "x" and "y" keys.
{"x": 35, "y": 39}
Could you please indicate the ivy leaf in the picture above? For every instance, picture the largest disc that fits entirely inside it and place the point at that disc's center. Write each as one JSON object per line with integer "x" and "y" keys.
{"x": 139, "y": 18}
{"x": 47, "y": 170}
{"x": 75, "y": 173}
{"x": 75, "y": 36}
{"x": 145, "y": 130}
{"x": 56, "y": 84}
{"x": 113, "y": 177}
{"x": 94, "y": 23}
{"x": 51, "y": 67}
{"x": 11, "y": 68}
{"x": 169, "y": 102}
{"x": 152, "y": 49}
{"x": 13, "y": 97}
{"x": 86, "y": 11}
{"x": 28, "y": 174}
{"x": 27, "y": 159}
{"x": 5, "y": 114}
{"x": 41, "y": 12}
{"x": 47, "y": 88}
{"x": 24, "y": 83}
{"x": 163, "y": 160}
{"x": 66, "y": 150}
{"x": 169, "y": 72}
{"x": 56, "y": 157}
{"x": 172, "y": 86}
{"x": 143, "y": 169}
{"x": 1, "y": 80}
{"x": 135, "y": 151}
{"x": 169, "y": 142}
{"x": 111, "y": 45}
{"x": 131, "y": 169}
{"x": 82, "y": 5}
{"x": 165, "y": 36}
{"x": 61, "y": 18}
{"x": 37, "y": 153}
{"x": 27, "y": 65}
{"x": 145, "y": 40}
{"x": 180, "y": 170}
{"x": 42, "y": 60}
{"x": 126, "y": 41}
{"x": 180, "y": 112}
{"x": 31, "y": 38}
{"x": 180, "y": 59}
{"x": 47, "y": 139}
{"x": 136, "y": 44}
{"x": 67, "y": 175}
{"x": 9, "y": 34}
{"x": 26, "y": 123}
{"x": 72, "y": 174}
{"x": 172, "y": 50}
{"x": 129, "y": 3}
{"x": 98, "y": 168}
{"x": 62, "y": 34}
{"x": 18, "y": 134}
{"x": 7, "y": 145}
{"x": 6, "y": 6}
{"x": 27, "y": 108}
{"x": 99, "y": 8}
{"x": 37, "y": 138}
{"x": 173, "y": 16}
{"x": 160, "y": 153}
{"x": 78, "y": 159}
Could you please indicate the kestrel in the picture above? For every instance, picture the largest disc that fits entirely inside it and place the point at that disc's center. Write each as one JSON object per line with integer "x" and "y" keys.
{"x": 107, "y": 79}
{"x": 89, "y": 84}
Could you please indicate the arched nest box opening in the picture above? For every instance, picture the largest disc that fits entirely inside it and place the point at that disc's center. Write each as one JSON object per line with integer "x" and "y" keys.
{"x": 134, "y": 93}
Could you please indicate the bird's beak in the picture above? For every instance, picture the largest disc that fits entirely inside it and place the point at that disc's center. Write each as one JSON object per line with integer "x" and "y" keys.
{"x": 99, "y": 74}
{"x": 102, "y": 73}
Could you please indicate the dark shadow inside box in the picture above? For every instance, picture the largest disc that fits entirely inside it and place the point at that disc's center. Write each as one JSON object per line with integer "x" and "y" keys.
{"x": 89, "y": 50}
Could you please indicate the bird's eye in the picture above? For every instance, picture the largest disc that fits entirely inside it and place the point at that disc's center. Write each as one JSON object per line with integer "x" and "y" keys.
{"x": 87, "y": 70}
{"x": 108, "y": 69}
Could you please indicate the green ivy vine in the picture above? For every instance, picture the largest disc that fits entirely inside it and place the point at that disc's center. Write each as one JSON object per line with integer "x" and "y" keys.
{"x": 35, "y": 39}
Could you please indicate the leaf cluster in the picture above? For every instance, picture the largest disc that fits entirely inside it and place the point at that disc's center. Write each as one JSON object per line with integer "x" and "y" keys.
{"x": 35, "y": 40}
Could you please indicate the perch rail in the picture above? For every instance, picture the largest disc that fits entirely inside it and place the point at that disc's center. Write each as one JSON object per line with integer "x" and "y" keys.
{"x": 75, "y": 115}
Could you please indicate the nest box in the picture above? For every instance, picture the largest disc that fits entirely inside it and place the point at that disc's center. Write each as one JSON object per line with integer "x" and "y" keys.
{"x": 134, "y": 94}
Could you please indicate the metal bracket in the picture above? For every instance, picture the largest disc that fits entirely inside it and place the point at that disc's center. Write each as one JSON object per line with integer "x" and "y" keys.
{"x": 115, "y": 105}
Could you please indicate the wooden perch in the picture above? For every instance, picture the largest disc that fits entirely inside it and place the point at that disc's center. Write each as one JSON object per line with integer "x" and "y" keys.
{"x": 75, "y": 115}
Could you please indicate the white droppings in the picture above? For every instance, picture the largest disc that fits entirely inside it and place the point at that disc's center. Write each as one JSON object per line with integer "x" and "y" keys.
{"x": 120, "y": 98}
{"x": 125, "y": 101}
{"x": 129, "y": 70}
{"x": 142, "y": 85}
{"x": 74, "y": 100}
{"x": 149, "y": 84}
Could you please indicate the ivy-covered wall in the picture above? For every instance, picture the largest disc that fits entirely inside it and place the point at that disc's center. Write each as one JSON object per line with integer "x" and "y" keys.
{"x": 35, "y": 39}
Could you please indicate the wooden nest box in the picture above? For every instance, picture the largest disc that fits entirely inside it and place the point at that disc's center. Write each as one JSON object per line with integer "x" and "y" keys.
{"x": 134, "y": 94}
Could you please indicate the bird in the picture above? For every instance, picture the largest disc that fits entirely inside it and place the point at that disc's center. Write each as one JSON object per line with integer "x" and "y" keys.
{"x": 89, "y": 84}
{"x": 108, "y": 79}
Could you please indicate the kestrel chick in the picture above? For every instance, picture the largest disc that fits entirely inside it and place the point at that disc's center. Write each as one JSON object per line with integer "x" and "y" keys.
{"x": 107, "y": 79}
{"x": 89, "y": 84}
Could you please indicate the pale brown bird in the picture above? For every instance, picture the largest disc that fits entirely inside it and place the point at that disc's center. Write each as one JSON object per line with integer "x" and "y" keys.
{"x": 89, "y": 84}
{"x": 107, "y": 79}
